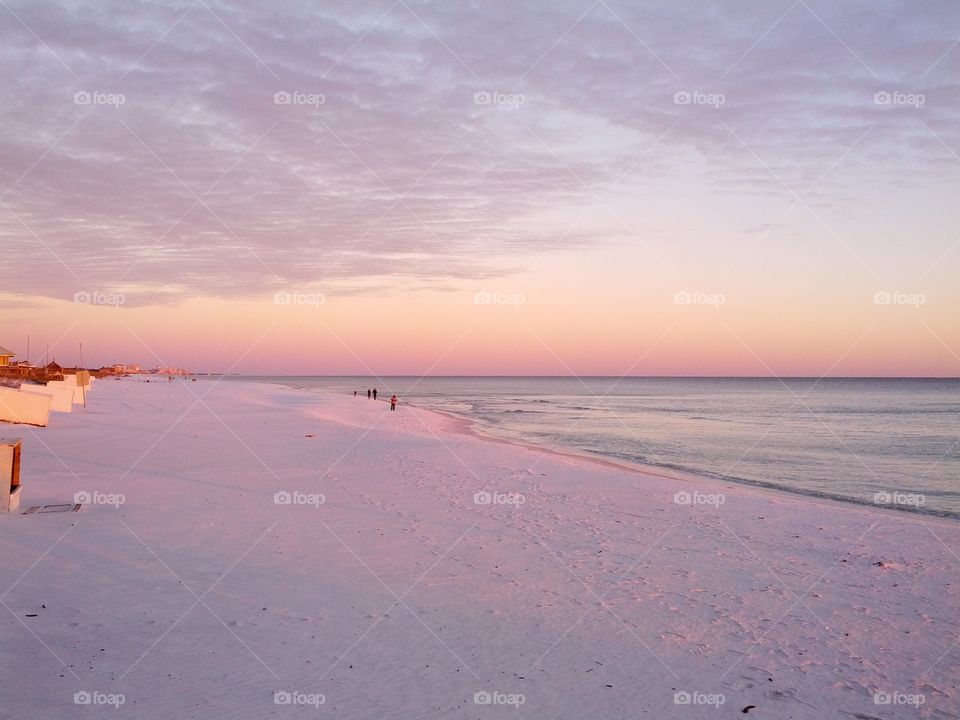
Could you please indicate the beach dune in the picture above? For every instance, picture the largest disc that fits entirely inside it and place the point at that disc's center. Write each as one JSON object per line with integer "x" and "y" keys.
{"x": 248, "y": 550}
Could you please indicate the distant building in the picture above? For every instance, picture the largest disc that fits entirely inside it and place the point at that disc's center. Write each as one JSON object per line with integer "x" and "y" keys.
{"x": 169, "y": 371}
{"x": 119, "y": 369}
{"x": 26, "y": 371}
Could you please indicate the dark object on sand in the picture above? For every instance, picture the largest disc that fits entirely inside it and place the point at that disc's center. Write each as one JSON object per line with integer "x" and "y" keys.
{"x": 747, "y": 709}
{"x": 62, "y": 507}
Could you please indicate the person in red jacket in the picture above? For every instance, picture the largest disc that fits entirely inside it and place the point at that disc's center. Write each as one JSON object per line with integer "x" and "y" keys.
{"x": 393, "y": 402}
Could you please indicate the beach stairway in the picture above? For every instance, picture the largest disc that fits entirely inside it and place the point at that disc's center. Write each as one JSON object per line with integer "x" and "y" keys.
{"x": 61, "y": 398}
{"x": 81, "y": 383}
{"x": 24, "y": 407}
{"x": 9, "y": 474}
{"x": 76, "y": 391}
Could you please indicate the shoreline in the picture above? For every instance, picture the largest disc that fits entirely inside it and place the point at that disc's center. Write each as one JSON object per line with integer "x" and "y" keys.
{"x": 476, "y": 428}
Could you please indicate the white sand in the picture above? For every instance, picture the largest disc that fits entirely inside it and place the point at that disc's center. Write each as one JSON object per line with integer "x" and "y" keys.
{"x": 399, "y": 597}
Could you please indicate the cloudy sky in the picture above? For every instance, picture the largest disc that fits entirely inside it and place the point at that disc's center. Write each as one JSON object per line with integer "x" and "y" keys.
{"x": 599, "y": 187}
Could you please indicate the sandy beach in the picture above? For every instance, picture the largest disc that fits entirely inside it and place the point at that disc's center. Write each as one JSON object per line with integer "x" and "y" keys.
{"x": 250, "y": 550}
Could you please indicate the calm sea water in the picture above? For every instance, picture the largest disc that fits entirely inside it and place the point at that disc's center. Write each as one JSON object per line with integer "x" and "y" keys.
{"x": 847, "y": 439}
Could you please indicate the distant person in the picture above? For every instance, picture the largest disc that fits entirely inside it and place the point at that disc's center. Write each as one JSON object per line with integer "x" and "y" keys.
{"x": 393, "y": 402}
{"x": 374, "y": 393}
{"x": 368, "y": 393}
{"x": 354, "y": 393}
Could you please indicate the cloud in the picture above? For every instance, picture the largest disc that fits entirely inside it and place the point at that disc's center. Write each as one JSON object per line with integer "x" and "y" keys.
{"x": 426, "y": 143}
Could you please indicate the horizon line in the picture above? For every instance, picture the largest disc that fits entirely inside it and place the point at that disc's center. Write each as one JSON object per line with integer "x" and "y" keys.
{"x": 623, "y": 377}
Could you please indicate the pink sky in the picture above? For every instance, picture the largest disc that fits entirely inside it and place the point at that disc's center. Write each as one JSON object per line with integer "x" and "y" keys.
{"x": 640, "y": 188}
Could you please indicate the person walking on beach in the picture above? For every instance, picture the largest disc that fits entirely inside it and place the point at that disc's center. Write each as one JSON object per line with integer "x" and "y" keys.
{"x": 393, "y": 402}
{"x": 368, "y": 393}
{"x": 374, "y": 393}
{"x": 354, "y": 393}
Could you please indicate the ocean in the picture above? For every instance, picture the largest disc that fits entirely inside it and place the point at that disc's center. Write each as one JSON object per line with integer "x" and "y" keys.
{"x": 890, "y": 442}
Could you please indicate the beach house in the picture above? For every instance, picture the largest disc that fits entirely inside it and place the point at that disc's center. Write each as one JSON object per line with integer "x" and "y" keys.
{"x": 5, "y": 356}
{"x": 52, "y": 371}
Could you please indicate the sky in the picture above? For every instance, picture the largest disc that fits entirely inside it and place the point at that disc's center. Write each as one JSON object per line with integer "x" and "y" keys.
{"x": 603, "y": 187}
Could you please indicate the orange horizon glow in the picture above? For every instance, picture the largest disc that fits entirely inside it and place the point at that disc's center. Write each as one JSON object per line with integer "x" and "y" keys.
{"x": 542, "y": 336}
